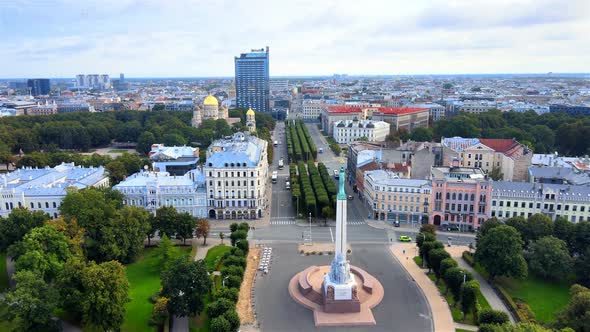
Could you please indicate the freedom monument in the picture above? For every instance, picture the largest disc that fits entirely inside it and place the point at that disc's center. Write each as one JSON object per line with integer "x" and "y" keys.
{"x": 338, "y": 294}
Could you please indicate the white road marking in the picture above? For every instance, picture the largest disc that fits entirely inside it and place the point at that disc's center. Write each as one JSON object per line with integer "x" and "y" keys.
{"x": 331, "y": 235}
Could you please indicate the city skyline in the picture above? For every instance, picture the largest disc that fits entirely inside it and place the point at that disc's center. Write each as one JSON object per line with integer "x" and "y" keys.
{"x": 200, "y": 39}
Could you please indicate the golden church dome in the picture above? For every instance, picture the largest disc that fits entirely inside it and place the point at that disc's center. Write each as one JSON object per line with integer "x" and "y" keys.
{"x": 210, "y": 101}
{"x": 250, "y": 112}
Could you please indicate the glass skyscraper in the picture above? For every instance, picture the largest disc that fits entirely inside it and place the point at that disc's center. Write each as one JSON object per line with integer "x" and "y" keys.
{"x": 39, "y": 86}
{"x": 252, "y": 80}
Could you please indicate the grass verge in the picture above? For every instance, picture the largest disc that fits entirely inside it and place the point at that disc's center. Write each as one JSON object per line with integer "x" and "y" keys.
{"x": 214, "y": 254}
{"x": 535, "y": 292}
{"x": 144, "y": 281}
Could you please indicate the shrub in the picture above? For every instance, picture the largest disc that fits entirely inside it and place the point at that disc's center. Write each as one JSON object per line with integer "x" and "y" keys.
{"x": 231, "y": 294}
{"x": 468, "y": 258}
{"x": 428, "y": 228}
{"x": 232, "y": 317}
{"x": 237, "y": 236}
{"x": 233, "y": 227}
{"x": 233, "y": 260}
{"x": 233, "y": 281}
{"x": 243, "y": 245}
{"x": 244, "y": 226}
{"x": 219, "y": 307}
{"x": 232, "y": 270}
{"x": 237, "y": 252}
{"x": 491, "y": 316}
{"x": 160, "y": 312}
{"x": 220, "y": 324}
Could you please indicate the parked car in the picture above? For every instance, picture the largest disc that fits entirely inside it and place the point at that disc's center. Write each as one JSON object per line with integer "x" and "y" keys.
{"x": 350, "y": 197}
{"x": 404, "y": 238}
{"x": 396, "y": 224}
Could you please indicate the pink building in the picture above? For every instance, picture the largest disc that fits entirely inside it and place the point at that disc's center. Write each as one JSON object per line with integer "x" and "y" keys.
{"x": 461, "y": 197}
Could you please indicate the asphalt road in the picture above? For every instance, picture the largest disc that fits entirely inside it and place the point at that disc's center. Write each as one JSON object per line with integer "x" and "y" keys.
{"x": 403, "y": 308}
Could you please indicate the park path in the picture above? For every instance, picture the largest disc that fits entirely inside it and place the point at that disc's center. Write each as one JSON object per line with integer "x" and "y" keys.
{"x": 180, "y": 324}
{"x": 484, "y": 286}
{"x": 439, "y": 309}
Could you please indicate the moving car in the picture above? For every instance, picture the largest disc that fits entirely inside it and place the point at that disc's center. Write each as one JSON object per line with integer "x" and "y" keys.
{"x": 321, "y": 150}
{"x": 350, "y": 198}
{"x": 404, "y": 238}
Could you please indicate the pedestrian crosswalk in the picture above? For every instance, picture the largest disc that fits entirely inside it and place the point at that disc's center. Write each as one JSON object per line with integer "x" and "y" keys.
{"x": 356, "y": 223}
{"x": 282, "y": 222}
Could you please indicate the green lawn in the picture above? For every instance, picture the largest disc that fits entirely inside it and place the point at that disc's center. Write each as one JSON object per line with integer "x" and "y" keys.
{"x": 543, "y": 297}
{"x": 144, "y": 281}
{"x": 3, "y": 273}
{"x": 213, "y": 253}
{"x": 461, "y": 330}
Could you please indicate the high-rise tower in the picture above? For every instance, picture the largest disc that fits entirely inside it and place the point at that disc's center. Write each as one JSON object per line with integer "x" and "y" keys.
{"x": 252, "y": 80}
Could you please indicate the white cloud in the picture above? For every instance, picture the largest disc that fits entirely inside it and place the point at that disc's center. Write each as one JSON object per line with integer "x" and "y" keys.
{"x": 200, "y": 38}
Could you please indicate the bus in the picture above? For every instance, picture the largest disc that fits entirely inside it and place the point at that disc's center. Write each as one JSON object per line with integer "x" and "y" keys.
{"x": 281, "y": 164}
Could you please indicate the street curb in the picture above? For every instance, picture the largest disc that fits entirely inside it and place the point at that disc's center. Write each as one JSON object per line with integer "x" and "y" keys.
{"x": 417, "y": 286}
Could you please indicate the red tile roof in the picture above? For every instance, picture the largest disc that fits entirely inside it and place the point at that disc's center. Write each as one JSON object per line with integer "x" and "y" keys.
{"x": 499, "y": 144}
{"x": 382, "y": 110}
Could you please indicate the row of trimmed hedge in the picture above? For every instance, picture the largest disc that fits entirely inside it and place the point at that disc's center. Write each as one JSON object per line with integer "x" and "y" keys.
{"x": 222, "y": 311}
{"x": 308, "y": 200}
{"x": 334, "y": 146}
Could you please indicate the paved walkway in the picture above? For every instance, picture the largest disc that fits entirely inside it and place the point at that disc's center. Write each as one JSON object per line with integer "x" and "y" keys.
{"x": 466, "y": 327}
{"x": 439, "y": 308}
{"x": 486, "y": 290}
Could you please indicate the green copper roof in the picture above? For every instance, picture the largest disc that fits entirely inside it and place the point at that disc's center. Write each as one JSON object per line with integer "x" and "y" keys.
{"x": 341, "y": 192}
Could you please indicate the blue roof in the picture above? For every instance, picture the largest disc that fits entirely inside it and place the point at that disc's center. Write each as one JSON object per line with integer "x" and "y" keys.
{"x": 239, "y": 149}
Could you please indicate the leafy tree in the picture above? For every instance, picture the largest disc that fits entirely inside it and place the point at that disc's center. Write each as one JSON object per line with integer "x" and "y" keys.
{"x": 491, "y": 316}
{"x": 117, "y": 171}
{"x": 327, "y": 212}
{"x": 160, "y": 312}
{"x": 427, "y": 247}
{"x": 424, "y": 237}
{"x": 220, "y": 324}
{"x": 219, "y": 307}
{"x": 233, "y": 282}
{"x": 232, "y": 270}
{"x": 69, "y": 284}
{"x": 167, "y": 219}
{"x": 185, "y": 283}
{"x": 564, "y": 230}
{"x": 428, "y": 228}
{"x": 582, "y": 268}
{"x": 496, "y": 174}
{"x": 202, "y": 229}
{"x": 32, "y": 303}
{"x": 145, "y": 141}
{"x": 173, "y": 139}
{"x": 185, "y": 224}
{"x": 233, "y": 227}
{"x": 221, "y": 236}
{"x": 166, "y": 252}
{"x": 43, "y": 250}
{"x": 234, "y": 320}
{"x": 454, "y": 278}
{"x": 105, "y": 296}
{"x": 244, "y": 226}
{"x": 231, "y": 294}
{"x": 446, "y": 264}
{"x": 581, "y": 238}
{"x": 130, "y": 231}
{"x": 237, "y": 236}
{"x": 19, "y": 222}
{"x": 435, "y": 257}
{"x": 576, "y": 314}
{"x": 486, "y": 226}
{"x": 421, "y": 134}
{"x": 548, "y": 257}
{"x": 469, "y": 292}
{"x": 243, "y": 245}
{"x": 73, "y": 232}
{"x": 519, "y": 223}
{"x": 154, "y": 226}
{"x": 500, "y": 253}
{"x": 537, "y": 226}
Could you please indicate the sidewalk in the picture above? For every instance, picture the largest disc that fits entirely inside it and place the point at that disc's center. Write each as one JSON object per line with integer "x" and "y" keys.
{"x": 486, "y": 290}
{"x": 442, "y": 319}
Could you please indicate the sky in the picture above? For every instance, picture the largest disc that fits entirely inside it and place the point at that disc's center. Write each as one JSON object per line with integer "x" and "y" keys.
{"x": 176, "y": 38}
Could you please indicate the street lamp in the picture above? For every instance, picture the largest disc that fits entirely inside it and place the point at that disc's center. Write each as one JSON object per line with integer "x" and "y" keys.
{"x": 223, "y": 281}
{"x": 310, "y": 226}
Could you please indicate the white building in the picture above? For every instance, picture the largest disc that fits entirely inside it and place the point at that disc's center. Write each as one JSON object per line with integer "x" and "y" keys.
{"x": 437, "y": 112}
{"x": 348, "y": 131}
{"x": 43, "y": 189}
{"x": 312, "y": 109}
{"x": 175, "y": 160}
{"x": 477, "y": 107}
{"x": 152, "y": 190}
{"x": 236, "y": 173}
{"x": 512, "y": 199}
